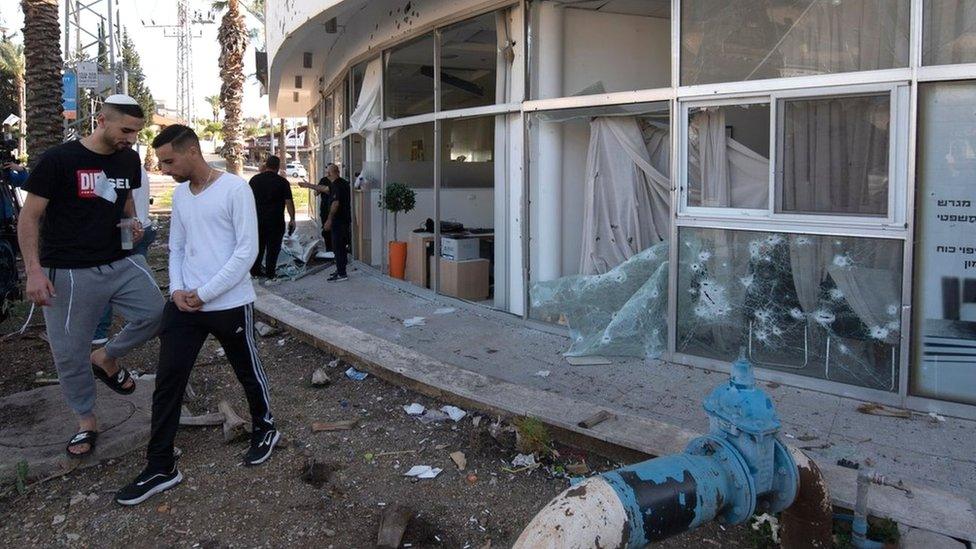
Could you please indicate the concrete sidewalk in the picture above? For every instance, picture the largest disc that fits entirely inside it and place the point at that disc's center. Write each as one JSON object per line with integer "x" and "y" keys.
{"x": 665, "y": 398}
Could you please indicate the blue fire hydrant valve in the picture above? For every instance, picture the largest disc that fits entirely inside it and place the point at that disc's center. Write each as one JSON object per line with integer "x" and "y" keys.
{"x": 742, "y": 416}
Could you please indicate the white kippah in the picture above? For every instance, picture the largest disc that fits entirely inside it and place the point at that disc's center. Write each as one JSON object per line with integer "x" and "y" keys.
{"x": 120, "y": 99}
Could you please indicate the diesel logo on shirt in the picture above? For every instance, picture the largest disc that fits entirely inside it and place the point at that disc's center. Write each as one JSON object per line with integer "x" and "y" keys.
{"x": 92, "y": 183}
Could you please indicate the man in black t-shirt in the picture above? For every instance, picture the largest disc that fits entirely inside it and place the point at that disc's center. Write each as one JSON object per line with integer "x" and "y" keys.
{"x": 76, "y": 263}
{"x": 272, "y": 195}
{"x": 337, "y": 218}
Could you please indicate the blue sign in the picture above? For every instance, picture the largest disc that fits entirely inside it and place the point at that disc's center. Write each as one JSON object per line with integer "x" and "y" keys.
{"x": 69, "y": 94}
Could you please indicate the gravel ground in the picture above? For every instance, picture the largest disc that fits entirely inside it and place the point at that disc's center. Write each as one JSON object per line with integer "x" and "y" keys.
{"x": 360, "y": 472}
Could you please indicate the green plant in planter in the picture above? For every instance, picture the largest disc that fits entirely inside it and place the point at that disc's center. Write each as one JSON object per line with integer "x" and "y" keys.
{"x": 398, "y": 198}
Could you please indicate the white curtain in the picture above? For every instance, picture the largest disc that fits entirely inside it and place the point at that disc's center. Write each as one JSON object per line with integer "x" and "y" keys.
{"x": 365, "y": 119}
{"x": 948, "y": 32}
{"x": 722, "y": 172}
{"x": 627, "y": 200}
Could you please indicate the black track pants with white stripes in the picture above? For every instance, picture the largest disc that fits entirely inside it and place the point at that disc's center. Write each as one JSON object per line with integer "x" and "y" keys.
{"x": 181, "y": 338}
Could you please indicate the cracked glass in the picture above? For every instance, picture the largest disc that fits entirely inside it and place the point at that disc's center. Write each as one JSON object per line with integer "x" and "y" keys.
{"x": 827, "y": 307}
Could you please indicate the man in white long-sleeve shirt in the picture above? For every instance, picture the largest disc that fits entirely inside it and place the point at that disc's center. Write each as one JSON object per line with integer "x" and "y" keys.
{"x": 213, "y": 242}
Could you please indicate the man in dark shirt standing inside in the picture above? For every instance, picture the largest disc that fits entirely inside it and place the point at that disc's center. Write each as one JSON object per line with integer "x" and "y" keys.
{"x": 70, "y": 233}
{"x": 337, "y": 219}
{"x": 272, "y": 194}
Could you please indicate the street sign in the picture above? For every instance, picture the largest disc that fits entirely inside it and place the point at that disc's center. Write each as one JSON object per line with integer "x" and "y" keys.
{"x": 69, "y": 95}
{"x": 87, "y": 74}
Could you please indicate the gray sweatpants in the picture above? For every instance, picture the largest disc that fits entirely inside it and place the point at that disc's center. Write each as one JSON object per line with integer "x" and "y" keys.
{"x": 80, "y": 298}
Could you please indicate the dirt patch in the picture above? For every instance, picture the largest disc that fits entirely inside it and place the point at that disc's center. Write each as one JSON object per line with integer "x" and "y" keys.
{"x": 287, "y": 501}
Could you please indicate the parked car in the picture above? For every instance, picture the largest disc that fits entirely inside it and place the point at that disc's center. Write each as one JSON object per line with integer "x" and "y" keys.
{"x": 295, "y": 169}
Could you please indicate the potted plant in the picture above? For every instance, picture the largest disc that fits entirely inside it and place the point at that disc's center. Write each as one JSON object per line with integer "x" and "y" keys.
{"x": 398, "y": 198}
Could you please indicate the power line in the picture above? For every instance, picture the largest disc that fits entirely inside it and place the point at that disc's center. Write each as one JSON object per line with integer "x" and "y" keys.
{"x": 184, "y": 33}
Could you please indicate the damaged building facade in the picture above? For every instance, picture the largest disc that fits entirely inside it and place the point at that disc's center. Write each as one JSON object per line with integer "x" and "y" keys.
{"x": 686, "y": 179}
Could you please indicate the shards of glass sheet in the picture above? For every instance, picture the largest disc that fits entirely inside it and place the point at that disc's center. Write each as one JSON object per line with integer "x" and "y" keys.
{"x": 622, "y": 312}
{"x": 295, "y": 254}
{"x": 819, "y": 306}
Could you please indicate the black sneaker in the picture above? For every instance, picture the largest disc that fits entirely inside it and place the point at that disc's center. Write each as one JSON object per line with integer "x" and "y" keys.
{"x": 262, "y": 444}
{"x": 148, "y": 484}
{"x": 336, "y": 277}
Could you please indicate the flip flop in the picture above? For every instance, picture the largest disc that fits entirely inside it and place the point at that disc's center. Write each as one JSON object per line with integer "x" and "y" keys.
{"x": 83, "y": 437}
{"x": 116, "y": 382}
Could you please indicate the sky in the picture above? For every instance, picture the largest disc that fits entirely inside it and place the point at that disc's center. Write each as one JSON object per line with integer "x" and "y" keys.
{"x": 158, "y": 53}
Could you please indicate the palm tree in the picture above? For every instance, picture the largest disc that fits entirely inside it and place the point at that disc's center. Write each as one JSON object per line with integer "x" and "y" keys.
{"x": 214, "y": 102}
{"x": 233, "y": 38}
{"x": 12, "y": 62}
{"x": 42, "y": 51}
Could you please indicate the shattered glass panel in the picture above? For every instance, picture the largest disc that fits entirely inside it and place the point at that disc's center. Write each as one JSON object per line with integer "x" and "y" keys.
{"x": 820, "y": 306}
{"x": 622, "y": 312}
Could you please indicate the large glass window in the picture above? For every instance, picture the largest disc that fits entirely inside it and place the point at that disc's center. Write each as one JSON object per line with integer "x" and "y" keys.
{"x": 723, "y": 41}
{"x": 410, "y": 153}
{"x": 467, "y": 207}
{"x": 834, "y": 155}
{"x": 728, "y": 156}
{"x": 821, "y": 306}
{"x": 409, "y": 78}
{"x": 585, "y": 48}
{"x": 599, "y": 186}
{"x": 945, "y": 275}
{"x": 469, "y": 60}
{"x": 948, "y": 32}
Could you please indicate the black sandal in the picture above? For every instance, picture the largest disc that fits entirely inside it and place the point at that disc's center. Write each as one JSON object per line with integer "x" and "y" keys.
{"x": 83, "y": 437}
{"x": 116, "y": 382}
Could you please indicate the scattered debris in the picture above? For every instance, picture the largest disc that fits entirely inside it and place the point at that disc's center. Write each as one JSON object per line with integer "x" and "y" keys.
{"x": 542, "y": 373}
{"x": 46, "y": 381}
{"x": 433, "y": 416}
{"x": 874, "y": 409}
{"x": 423, "y": 471}
{"x": 414, "y": 409}
{"x": 320, "y": 378}
{"x": 460, "y": 460}
{"x": 453, "y": 412}
{"x": 759, "y": 520}
{"x": 471, "y": 478}
{"x": 221, "y": 352}
{"x": 355, "y": 374}
{"x": 524, "y": 460}
{"x": 281, "y": 342}
{"x": 445, "y": 311}
{"x": 163, "y": 509}
{"x": 577, "y": 469}
{"x": 415, "y": 321}
{"x": 264, "y": 330}
{"x": 190, "y": 420}
{"x": 844, "y": 462}
{"x": 476, "y": 420}
{"x": 936, "y": 418}
{"x": 343, "y": 425}
{"x": 588, "y": 360}
{"x": 234, "y": 425}
{"x": 333, "y": 363}
{"x": 596, "y": 419}
{"x": 393, "y": 524}
{"x": 806, "y": 438}
{"x": 58, "y": 519}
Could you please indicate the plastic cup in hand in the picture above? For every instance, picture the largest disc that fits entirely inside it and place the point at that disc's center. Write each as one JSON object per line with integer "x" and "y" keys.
{"x": 127, "y": 225}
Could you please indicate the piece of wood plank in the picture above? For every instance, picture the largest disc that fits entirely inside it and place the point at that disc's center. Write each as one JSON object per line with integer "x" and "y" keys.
{"x": 596, "y": 419}
{"x": 343, "y": 425}
{"x": 929, "y": 509}
{"x": 393, "y": 524}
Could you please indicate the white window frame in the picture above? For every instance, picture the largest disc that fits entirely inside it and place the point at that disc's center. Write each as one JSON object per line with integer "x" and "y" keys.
{"x": 892, "y": 225}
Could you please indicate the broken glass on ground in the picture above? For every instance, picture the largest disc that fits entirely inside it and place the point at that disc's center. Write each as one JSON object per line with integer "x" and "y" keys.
{"x": 296, "y": 252}
{"x": 622, "y": 312}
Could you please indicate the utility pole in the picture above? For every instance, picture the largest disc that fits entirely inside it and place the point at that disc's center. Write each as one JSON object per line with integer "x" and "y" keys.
{"x": 184, "y": 33}
{"x": 83, "y": 42}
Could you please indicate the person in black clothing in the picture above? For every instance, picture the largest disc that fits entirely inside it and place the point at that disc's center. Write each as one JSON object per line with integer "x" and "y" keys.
{"x": 272, "y": 195}
{"x": 337, "y": 218}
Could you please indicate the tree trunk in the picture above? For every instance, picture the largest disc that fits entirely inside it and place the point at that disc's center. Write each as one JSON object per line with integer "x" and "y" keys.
{"x": 233, "y": 42}
{"x": 22, "y": 113}
{"x": 282, "y": 150}
{"x": 42, "y": 52}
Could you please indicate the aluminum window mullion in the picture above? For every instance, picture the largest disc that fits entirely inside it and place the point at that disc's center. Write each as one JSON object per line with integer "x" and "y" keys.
{"x": 436, "y": 285}
{"x": 754, "y": 87}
